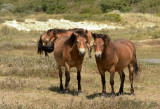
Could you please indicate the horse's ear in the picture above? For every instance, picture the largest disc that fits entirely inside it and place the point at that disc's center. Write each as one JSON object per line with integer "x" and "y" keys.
{"x": 54, "y": 32}
{"x": 51, "y": 33}
{"x": 71, "y": 40}
{"x": 86, "y": 31}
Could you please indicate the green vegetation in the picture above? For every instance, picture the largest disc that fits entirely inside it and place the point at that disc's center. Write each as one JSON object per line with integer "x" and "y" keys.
{"x": 112, "y": 17}
{"x": 78, "y": 6}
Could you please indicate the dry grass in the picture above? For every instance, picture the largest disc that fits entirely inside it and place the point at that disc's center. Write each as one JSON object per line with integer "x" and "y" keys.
{"x": 28, "y": 80}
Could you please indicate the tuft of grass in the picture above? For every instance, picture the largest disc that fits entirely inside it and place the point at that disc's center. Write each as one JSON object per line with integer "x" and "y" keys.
{"x": 5, "y": 30}
{"x": 20, "y": 19}
{"x": 113, "y": 17}
{"x": 2, "y": 20}
{"x": 12, "y": 84}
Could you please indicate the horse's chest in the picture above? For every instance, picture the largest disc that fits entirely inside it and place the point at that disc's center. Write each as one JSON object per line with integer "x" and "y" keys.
{"x": 104, "y": 65}
{"x": 75, "y": 63}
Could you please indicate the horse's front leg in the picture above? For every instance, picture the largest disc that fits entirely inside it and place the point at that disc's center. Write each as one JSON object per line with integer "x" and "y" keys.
{"x": 79, "y": 79}
{"x": 103, "y": 83}
{"x": 67, "y": 74}
{"x": 103, "y": 80}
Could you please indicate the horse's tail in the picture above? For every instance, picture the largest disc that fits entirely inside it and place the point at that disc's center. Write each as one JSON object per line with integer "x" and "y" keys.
{"x": 136, "y": 68}
{"x": 49, "y": 48}
{"x": 40, "y": 45}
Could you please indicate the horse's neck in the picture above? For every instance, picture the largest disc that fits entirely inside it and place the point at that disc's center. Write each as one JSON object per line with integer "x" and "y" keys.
{"x": 75, "y": 51}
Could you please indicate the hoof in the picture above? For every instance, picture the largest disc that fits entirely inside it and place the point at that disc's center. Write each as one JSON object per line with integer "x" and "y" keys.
{"x": 120, "y": 92}
{"x": 66, "y": 91}
{"x": 103, "y": 94}
{"x": 80, "y": 93}
{"x": 132, "y": 93}
{"x": 61, "y": 91}
{"x": 113, "y": 93}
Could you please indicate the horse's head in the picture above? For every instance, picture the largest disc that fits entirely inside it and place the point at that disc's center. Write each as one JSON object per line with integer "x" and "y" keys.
{"x": 78, "y": 39}
{"x": 100, "y": 43}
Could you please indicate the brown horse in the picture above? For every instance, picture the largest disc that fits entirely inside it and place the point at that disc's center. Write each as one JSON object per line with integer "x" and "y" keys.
{"x": 53, "y": 34}
{"x": 69, "y": 52}
{"x": 115, "y": 56}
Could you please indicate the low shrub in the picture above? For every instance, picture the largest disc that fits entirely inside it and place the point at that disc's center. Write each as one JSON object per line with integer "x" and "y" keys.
{"x": 113, "y": 17}
{"x": 88, "y": 10}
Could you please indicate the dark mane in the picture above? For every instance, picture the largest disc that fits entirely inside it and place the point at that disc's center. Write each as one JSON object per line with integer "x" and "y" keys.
{"x": 101, "y": 36}
{"x": 82, "y": 33}
{"x": 76, "y": 29}
{"x": 55, "y": 31}
{"x": 71, "y": 40}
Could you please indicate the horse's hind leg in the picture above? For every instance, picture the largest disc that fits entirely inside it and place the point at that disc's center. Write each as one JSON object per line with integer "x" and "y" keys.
{"x": 112, "y": 73}
{"x": 122, "y": 77}
{"x": 67, "y": 74}
{"x": 131, "y": 70}
{"x": 60, "y": 76}
{"x": 79, "y": 79}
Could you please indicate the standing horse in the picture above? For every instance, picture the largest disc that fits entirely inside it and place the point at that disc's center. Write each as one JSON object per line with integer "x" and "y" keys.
{"x": 115, "y": 56}
{"x": 69, "y": 52}
{"x": 55, "y": 33}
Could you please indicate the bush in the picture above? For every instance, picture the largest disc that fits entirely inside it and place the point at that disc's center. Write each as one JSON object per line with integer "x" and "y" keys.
{"x": 113, "y": 17}
{"x": 151, "y": 6}
{"x": 110, "y": 5}
{"x": 90, "y": 11}
{"x": 74, "y": 17}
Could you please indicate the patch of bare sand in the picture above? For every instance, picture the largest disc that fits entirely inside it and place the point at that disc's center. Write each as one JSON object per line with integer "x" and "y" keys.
{"x": 32, "y": 24}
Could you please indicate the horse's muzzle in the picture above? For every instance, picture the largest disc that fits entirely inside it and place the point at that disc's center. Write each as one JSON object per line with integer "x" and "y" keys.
{"x": 82, "y": 52}
{"x": 98, "y": 55}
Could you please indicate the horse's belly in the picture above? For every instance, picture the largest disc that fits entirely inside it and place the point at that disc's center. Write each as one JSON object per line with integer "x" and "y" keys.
{"x": 122, "y": 64}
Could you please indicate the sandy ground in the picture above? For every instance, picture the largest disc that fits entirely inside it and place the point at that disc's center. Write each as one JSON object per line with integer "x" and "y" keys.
{"x": 32, "y": 24}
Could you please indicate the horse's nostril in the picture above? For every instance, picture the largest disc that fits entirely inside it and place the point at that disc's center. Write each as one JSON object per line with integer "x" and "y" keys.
{"x": 98, "y": 55}
{"x": 82, "y": 53}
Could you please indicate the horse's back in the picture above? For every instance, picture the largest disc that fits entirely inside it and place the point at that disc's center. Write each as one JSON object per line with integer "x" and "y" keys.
{"x": 125, "y": 42}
